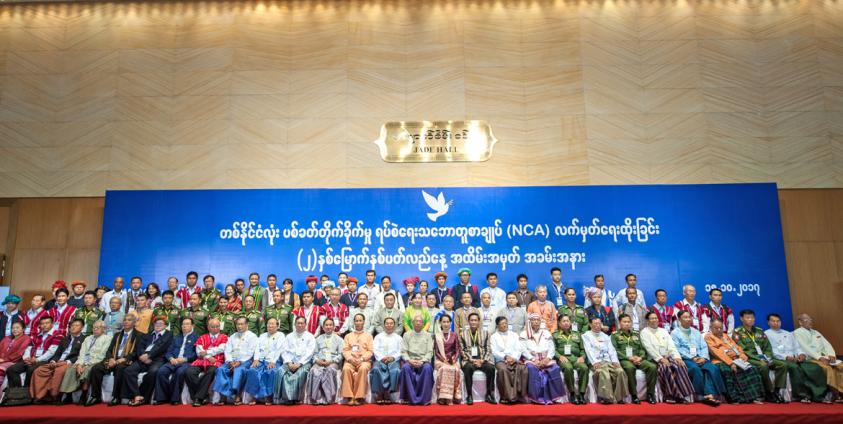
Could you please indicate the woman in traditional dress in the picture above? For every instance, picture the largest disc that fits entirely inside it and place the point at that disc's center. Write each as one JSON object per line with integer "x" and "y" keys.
{"x": 446, "y": 364}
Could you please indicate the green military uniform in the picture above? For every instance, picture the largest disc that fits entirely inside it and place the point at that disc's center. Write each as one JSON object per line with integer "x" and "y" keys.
{"x": 90, "y": 315}
{"x": 210, "y": 298}
{"x": 172, "y": 314}
{"x": 284, "y": 315}
{"x": 758, "y": 349}
{"x": 199, "y": 316}
{"x": 579, "y": 319}
{"x": 226, "y": 319}
{"x": 621, "y": 341}
{"x": 569, "y": 344}
{"x": 254, "y": 320}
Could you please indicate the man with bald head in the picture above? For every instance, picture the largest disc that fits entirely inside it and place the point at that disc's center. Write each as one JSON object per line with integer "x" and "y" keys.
{"x": 210, "y": 355}
{"x": 117, "y": 291}
{"x": 820, "y": 351}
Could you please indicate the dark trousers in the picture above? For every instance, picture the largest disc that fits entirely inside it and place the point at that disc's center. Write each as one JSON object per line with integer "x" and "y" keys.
{"x": 199, "y": 387}
{"x": 468, "y": 369}
{"x": 169, "y": 382}
{"x": 14, "y": 373}
{"x": 99, "y": 371}
{"x": 147, "y": 385}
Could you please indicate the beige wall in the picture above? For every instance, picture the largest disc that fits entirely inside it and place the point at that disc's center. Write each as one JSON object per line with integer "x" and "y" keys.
{"x": 292, "y": 94}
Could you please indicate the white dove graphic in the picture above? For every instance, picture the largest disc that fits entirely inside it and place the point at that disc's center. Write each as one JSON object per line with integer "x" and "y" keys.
{"x": 438, "y": 204}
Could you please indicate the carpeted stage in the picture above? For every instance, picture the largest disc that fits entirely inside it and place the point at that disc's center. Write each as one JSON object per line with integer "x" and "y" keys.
{"x": 398, "y": 414}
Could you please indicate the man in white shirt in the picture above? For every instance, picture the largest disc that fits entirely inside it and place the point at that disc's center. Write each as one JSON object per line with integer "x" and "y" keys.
{"x": 117, "y": 291}
{"x": 387, "y": 367}
{"x": 487, "y": 312}
{"x": 239, "y": 351}
{"x": 497, "y": 295}
{"x": 370, "y": 289}
{"x": 611, "y": 378}
{"x": 621, "y": 297}
{"x": 807, "y": 379}
{"x": 820, "y": 352}
{"x": 301, "y": 346}
{"x": 386, "y": 287}
{"x": 556, "y": 290}
{"x": 507, "y": 351}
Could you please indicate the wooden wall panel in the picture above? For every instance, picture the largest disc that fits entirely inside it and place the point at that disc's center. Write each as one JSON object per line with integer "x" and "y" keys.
{"x": 246, "y": 93}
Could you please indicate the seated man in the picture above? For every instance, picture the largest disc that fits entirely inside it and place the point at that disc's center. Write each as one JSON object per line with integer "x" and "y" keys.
{"x": 239, "y": 350}
{"x": 807, "y": 379}
{"x": 820, "y": 352}
{"x": 705, "y": 376}
{"x": 544, "y": 380}
{"x": 298, "y": 354}
{"x": 632, "y": 356}
{"x": 260, "y": 377}
{"x": 612, "y": 386}
{"x": 757, "y": 347}
{"x": 477, "y": 356}
{"x": 507, "y": 352}
{"x": 385, "y": 372}
{"x": 210, "y": 355}
{"x": 47, "y": 378}
{"x": 151, "y": 356}
{"x": 571, "y": 357}
{"x": 42, "y": 347}
{"x": 169, "y": 381}
{"x": 673, "y": 375}
{"x": 91, "y": 353}
{"x": 121, "y": 353}
{"x": 357, "y": 351}
{"x": 416, "y": 378}
{"x": 743, "y": 382}
{"x": 321, "y": 383}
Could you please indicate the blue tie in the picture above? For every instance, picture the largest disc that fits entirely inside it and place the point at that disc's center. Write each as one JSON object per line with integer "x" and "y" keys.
{"x": 123, "y": 343}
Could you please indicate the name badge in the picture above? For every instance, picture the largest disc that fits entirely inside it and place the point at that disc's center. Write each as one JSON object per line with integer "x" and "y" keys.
{"x": 559, "y": 301}
{"x": 222, "y": 325}
{"x": 475, "y": 351}
{"x": 567, "y": 349}
{"x": 355, "y": 348}
{"x": 758, "y": 350}
{"x": 693, "y": 350}
{"x": 780, "y": 347}
{"x": 696, "y": 322}
{"x": 575, "y": 327}
{"x": 666, "y": 326}
{"x": 628, "y": 351}
{"x": 543, "y": 325}
{"x": 510, "y": 327}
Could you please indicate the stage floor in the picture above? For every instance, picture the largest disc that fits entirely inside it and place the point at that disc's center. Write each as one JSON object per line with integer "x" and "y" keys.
{"x": 399, "y": 414}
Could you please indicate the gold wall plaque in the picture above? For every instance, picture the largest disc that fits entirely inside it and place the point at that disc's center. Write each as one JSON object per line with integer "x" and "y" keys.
{"x": 436, "y": 141}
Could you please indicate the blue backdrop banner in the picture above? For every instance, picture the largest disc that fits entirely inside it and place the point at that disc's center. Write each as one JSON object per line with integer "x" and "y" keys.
{"x": 726, "y": 236}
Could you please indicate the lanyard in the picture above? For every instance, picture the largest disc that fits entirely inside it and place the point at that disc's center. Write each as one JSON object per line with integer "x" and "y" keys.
{"x": 566, "y": 339}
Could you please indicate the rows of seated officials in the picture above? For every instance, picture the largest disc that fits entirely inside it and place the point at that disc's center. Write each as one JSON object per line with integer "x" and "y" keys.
{"x": 340, "y": 342}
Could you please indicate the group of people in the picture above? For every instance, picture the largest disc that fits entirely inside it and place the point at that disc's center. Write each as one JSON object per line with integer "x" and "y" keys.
{"x": 340, "y": 342}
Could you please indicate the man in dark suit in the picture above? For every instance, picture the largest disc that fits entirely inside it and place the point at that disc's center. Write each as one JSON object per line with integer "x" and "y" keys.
{"x": 151, "y": 356}
{"x": 169, "y": 380}
{"x": 47, "y": 378}
{"x": 121, "y": 353}
{"x": 465, "y": 286}
{"x": 10, "y": 314}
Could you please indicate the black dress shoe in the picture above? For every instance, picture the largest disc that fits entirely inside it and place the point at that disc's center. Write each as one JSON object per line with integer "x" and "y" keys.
{"x": 605, "y": 402}
{"x": 92, "y": 401}
{"x": 198, "y": 402}
{"x": 635, "y": 400}
{"x": 651, "y": 399}
{"x": 469, "y": 401}
{"x": 174, "y": 403}
{"x": 491, "y": 400}
{"x": 114, "y": 402}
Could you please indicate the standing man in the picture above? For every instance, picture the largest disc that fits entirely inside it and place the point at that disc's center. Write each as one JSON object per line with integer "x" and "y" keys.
{"x": 598, "y": 287}
{"x": 516, "y": 317}
{"x": 135, "y": 290}
{"x": 544, "y": 308}
{"x": 461, "y": 315}
{"x": 633, "y": 309}
{"x": 556, "y": 290}
{"x": 578, "y": 317}
{"x": 170, "y": 311}
{"x": 715, "y": 309}
{"x": 309, "y": 312}
{"x": 497, "y": 295}
{"x": 61, "y": 312}
{"x": 116, "y": 291}
{"x": 465, "y": 286}
{"x": 667, "y": 315}
{"x": 77, "y": 296}
{"x": 349, "y": 298}
{"x": 388, "y": 311}
{"x": 756, "y": 346}
{"x": 196, "y": 313}
{"x": 522, "y": 293}
{"x": 386, "y": 288}
{"x": 281, "y": 311}
{"x": 88, "y": 312}
{"x": 210, "y": 294}
{"x": 621, "y": 297}
{"x": 691, "y": 305}
{"x": 441, "y": 290}
{"x": 184, "y": 294}
{"x": 370, "y": 289}
{"x": 32, "y": 317}
{"x": 257, "y": 291}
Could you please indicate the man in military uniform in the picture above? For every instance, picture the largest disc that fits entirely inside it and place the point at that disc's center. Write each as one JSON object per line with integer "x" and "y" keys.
{"x": 197, "y": 313}
{"x": 576, "y": 313}
{"x": 632, "y": 357}
{"x": 225, "y": 317}
{"x": 281, "y": 312}
{"x": 210, "y": 294}
{"x": 758, "y": 349}
{"x": 254, "y": 320}
{"x": 89, "y": 313}
{"x": 571, "y": 357}
{"x": 170, "y": 311}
